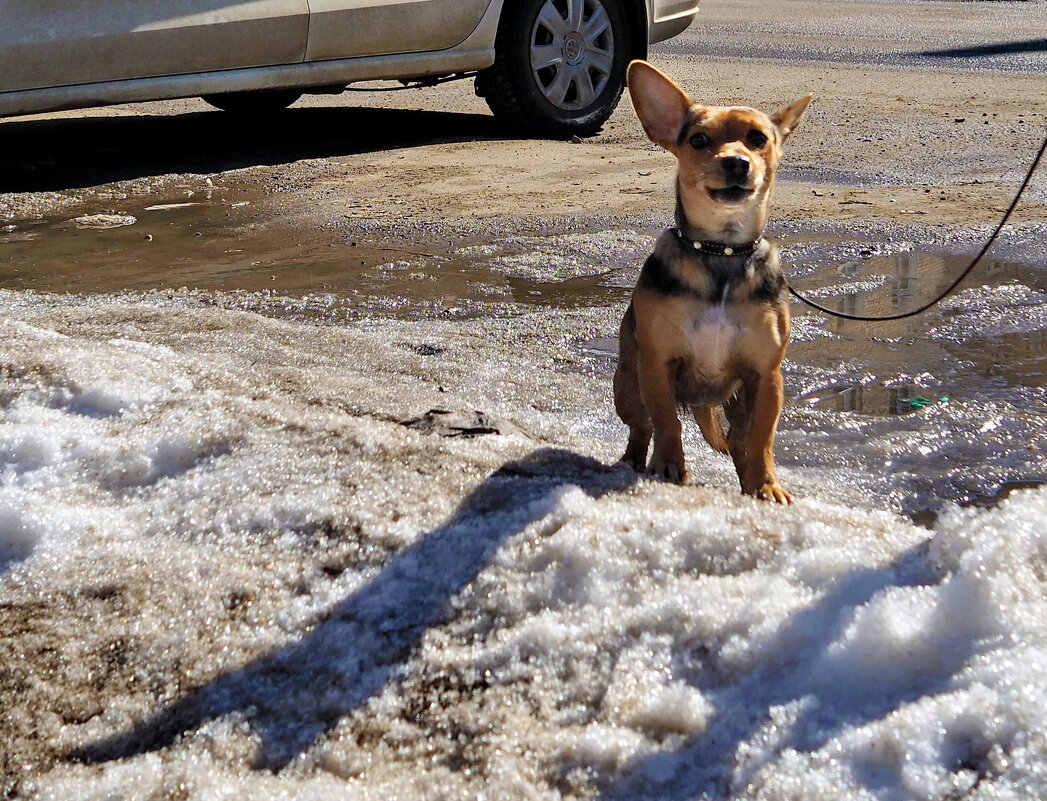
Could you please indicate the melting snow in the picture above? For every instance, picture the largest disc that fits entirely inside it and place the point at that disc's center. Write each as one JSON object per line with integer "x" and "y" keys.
{"x": 230, "y": 573}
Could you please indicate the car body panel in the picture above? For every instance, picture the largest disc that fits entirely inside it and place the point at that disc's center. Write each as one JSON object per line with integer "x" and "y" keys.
{"x": 663, "y": 18}
{"x": 301, "y": 76}
{"x": 348, "y": 28}
{"x": 47, "y": 43}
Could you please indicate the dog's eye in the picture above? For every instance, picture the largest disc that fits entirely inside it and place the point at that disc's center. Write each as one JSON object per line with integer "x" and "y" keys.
{"x": 756, "y": 138}
{"x": 699, "y": 141}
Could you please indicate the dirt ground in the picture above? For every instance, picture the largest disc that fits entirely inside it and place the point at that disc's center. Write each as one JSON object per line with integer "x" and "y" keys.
{"x": 901, "y": 131}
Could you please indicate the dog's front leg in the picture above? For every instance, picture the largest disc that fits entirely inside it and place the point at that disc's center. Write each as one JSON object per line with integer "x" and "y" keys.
{"x": 656, "y": 388}
{"x": 759, "y": 478}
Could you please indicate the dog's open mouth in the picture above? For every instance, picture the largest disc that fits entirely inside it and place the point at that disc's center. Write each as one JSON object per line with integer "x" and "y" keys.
{"x": 731, "y": 194}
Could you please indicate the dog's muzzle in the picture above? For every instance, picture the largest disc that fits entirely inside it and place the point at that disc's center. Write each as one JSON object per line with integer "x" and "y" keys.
{"x": 736, "y": 177}
{"x": 735, "y": 170}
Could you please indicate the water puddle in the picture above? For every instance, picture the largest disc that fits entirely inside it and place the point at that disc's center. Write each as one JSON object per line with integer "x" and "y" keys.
{"x": 218, "y": 245}
{"x": 990, "y": 339}
{"x": 600, "y": 348}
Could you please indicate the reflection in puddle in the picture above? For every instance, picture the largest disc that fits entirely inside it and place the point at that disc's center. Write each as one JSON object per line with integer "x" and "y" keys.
{"x": 990, "y": 339}
{"x": 907, "y": 280}
{"x": 601, "y": 347}
{"x": 896, "y": 283}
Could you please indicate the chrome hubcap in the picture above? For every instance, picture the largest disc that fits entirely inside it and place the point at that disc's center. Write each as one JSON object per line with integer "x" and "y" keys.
{"x": 572, "y": 50}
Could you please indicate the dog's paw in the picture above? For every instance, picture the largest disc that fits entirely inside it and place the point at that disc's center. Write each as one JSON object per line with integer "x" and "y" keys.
{"x": 635, "y": 457}
{"x": 772, "y": 491}
{"x": 668, "y": 470}
{"x": 637, "y": 466}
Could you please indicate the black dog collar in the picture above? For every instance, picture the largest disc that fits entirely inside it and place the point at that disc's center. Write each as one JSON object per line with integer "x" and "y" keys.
{"x": 718, "y": 248}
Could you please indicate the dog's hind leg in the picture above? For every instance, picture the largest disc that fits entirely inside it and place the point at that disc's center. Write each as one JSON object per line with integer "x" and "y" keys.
{"x": 708, "y": 420}
{"x": 628, "y": 402}
{"x": 634, "y": 415}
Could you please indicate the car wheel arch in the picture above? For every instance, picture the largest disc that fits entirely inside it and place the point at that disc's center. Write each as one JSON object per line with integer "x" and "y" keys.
{"x": 637, "y": 13}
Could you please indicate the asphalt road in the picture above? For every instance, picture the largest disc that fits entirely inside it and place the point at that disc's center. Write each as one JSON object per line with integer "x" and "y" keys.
{"x": 982, "y": 36}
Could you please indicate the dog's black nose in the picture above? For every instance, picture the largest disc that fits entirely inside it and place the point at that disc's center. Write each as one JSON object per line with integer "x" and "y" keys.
{"x": 735, "y": 168}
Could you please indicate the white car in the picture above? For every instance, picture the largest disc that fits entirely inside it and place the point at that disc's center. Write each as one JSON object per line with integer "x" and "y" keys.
{"x": 548, "y": 67}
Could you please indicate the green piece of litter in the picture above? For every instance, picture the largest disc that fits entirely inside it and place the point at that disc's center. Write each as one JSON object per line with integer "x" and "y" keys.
{"x": 920, "y": 402}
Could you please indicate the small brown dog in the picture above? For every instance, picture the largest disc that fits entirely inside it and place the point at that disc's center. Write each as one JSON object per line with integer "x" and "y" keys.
{"x": 709, "y": 319}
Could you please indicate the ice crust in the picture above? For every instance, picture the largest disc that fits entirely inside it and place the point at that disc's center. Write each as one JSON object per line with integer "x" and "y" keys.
{"x": 230, "y": 573}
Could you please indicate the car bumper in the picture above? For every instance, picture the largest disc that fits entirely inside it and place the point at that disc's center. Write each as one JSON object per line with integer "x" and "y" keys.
{"x": 670, "y": 17}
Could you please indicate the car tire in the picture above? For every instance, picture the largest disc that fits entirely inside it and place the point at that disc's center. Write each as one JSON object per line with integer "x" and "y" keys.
{"x": 559, "y": 67}
{"x": 261, "y": 102}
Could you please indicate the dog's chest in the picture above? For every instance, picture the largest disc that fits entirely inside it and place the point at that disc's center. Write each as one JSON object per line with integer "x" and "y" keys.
{"x": 713, "y": 335}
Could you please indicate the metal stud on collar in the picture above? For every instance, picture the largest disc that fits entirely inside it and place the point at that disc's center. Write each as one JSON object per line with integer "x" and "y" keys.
{"x": 715, "y": 248}
{"x": 727, "y": 251}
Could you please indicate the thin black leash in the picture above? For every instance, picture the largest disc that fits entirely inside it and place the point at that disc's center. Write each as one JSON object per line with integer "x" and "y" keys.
{"x": 964, "y": 274}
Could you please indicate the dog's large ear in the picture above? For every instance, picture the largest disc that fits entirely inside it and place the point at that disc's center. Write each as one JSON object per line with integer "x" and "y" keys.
{"x": 660, "y": 104}
{"x": 787, "y": 117}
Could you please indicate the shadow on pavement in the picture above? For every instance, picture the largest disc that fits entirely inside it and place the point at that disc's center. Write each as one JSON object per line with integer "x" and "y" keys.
{"x": 998, "y": 49}
{"x": 72, "y": 153}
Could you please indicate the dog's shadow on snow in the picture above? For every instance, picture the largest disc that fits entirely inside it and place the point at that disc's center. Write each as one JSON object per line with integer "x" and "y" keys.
{"x": 293, "y": 697}
{"x": 364, "y": 642}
